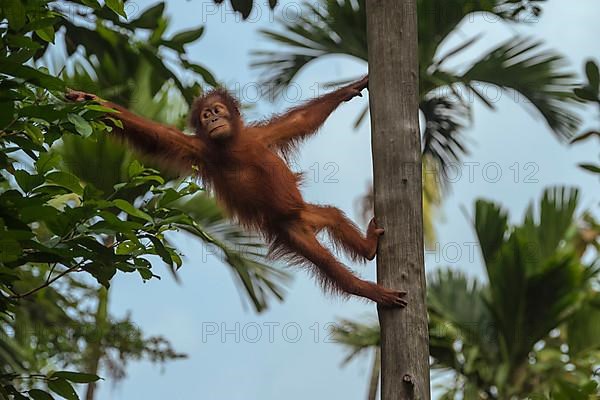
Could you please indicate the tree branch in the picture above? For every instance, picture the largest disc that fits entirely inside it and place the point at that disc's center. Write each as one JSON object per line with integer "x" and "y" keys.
{"x": 48, "y": 282}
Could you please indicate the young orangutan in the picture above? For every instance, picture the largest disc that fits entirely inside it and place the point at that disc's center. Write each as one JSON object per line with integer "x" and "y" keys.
{"x": 244, "y": 165}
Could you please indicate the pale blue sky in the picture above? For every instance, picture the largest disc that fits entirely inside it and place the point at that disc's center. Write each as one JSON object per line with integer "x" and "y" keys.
{"x": 293, "y": 367}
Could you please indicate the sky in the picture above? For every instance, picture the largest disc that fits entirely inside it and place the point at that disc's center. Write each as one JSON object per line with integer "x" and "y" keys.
{"x": 285, "y": 352}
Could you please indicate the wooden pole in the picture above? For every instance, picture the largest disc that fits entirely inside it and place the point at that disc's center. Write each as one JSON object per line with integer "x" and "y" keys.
{"x": 396, "y": 144}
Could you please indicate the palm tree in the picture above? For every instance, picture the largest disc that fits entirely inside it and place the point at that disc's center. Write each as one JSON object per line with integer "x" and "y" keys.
{"x": 519, "y": 65}
{"x": 532, "y": 327}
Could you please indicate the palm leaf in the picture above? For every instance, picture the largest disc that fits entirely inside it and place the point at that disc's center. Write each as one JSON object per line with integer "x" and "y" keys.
{"x": 458, "y": 313}
{"x": 521, "y": 66}
{"x": 534, "y": 280}
{"x": 339, "y": 29}
{"x": 244, "y": 253}
{"x": 583, "y": 328}
{"x": 356, "y": 336}
{"x": 444, "y": 120}
{"x": 491, "y": 224}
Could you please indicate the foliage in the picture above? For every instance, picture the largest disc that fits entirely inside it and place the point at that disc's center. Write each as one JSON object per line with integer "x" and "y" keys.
{"x": 532, "y": 328}
{"x": 590, "y": 92}
{"x": 65, "y": 210}
{"x": 52, "y": 329}
{"x": 244, "y": 7}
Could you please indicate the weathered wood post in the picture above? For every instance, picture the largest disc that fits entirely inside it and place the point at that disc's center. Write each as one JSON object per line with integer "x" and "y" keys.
{"x": 393, "y": 94}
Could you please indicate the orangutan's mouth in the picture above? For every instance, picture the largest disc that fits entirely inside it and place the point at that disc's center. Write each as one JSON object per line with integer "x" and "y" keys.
{"x": 215, "y": 128}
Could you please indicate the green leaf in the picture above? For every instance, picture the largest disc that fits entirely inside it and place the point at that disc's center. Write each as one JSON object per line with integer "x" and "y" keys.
{"x": 46, "y": 34}
{"x": 26, "y": 181}
{"x": 77, "y": 377}
{"x": 242, "y": 6}
{"x": 180, "y": 39}
{"x": 41, "y": 23}
{"x": 593, "y": 75}
{"x": 590, "y": 167}
{"x": 48, "y": 112}
{"x": 203, "y": 72}
{"x": 23, "y": 41}
{"x": 490, "y": 225}
{"x": 128, "y": 247}
{"x": 149, "y": 18}
{"x": 37, "y": 394}
{"x": 46, "y": 162}
{"x": 35, "y": 134}
{"x": 10, "y": 250}
{"x": 585, "y": 93}
{"x": 62, "y": 387}
{"x": 102, "y": 273}
{"x": 7, "y": 113}
{"x": 32, "y": 75}
{"x": 145, "y": 273}
{"x": 134, "y": 169}
{"x": 98, "y": 107}
{"x": 585, "y": 136}
{"x": 185, "y": 37}
{"x": 272, "y": 3}
{"x": 81, "y": 125}
{"x": 92, "y": 3}
{"x": 117, "y": 6}
{"x": 583, "y": 330}
{"x": 66, "y": 180}
{"x": 131, "y": 210}
{"x": 118, "y": 123}
{"x": 160, "y": 249}
{"x": 14, "y": 11}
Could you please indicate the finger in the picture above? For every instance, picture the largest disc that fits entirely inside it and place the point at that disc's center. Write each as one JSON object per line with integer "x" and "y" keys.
{"x": 70, "y": 94}
{"x": 402, "y": 302}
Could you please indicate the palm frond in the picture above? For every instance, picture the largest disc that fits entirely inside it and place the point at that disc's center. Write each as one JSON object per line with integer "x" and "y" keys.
{"x": 491, "y": 224}
{"x": 244, "y": 253}
{"x": 339, "y": 27}
{"x": 533, "y": 286}
{"x": 538, "y": 76}
{"x": 356, "y": 336}
{"x": 444, "y": 120}
{"x": 333, "y": 27}
{"x": 583, "y": 328}
{"x": 458, "y": 313}
{"x": 549, "y": 230}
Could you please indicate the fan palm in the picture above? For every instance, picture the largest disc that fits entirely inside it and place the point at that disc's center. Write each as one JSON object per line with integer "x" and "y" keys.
{"x": 533, "y": 325}
{"x": 519, "y": 65}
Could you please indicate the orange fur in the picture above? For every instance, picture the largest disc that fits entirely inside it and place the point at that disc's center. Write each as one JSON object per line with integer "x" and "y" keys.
{"x": 253, "y": 182}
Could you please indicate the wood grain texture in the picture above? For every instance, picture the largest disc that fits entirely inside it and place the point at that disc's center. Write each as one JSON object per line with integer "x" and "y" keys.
{"x": 393, "y": 92}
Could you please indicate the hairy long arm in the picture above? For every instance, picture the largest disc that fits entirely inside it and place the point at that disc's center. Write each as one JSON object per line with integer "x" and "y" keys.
{"x": 285, "y": 131}
{"x": 166, "y": 144}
